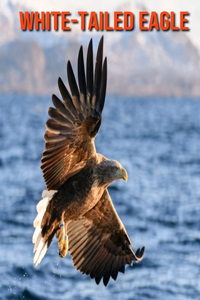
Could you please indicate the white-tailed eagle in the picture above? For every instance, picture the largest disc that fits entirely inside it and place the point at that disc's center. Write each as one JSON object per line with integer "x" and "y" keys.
{"x": 76, "y": 207}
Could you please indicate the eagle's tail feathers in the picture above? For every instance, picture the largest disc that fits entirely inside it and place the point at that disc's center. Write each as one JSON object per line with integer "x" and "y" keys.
{"x": 40, "y": 252}
{"x": 38, "y": 219}
{"x": 40, "y": 246}
{"x": 37, "y": 242}
{"x": 42, "y": 205}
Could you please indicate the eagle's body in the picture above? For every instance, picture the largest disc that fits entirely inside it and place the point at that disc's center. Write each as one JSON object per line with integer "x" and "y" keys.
{"x": 77, "y": 206}
{"x": 76, "y": 196}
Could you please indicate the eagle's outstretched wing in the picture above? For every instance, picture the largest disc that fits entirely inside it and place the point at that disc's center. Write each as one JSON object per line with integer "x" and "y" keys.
{"x": 75, "y": 121}
{"x": 99, "y": 244}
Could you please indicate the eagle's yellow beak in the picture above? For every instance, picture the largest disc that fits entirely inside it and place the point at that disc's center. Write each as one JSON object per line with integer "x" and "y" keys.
{"x": 124, "y": 174}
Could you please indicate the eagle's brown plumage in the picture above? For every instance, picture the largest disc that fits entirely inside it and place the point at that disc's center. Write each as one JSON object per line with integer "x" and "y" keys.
{"x": 69, "y": 136}
{"x": 80, "y": 207}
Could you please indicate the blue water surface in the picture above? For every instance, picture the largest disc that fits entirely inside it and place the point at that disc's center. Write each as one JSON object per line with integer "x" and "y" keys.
{"x": 158, "y": 142}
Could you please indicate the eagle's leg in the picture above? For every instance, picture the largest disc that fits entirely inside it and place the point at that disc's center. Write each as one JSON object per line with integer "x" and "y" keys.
{"x": 62, "y": 240}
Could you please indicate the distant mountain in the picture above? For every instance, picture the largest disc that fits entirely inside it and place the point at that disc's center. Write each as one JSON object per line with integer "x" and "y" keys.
{"x": 139, "y": 63}
{"x": 8, "y": 31}
{"x": 163, "y": 63}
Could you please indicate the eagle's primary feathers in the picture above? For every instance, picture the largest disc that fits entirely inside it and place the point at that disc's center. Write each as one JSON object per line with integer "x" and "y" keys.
{"x": 76, "y": 207}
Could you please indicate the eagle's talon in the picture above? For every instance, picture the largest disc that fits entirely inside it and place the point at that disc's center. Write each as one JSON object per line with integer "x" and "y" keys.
{"x": 62, "y": 240}
{"x": 63, "y": 245}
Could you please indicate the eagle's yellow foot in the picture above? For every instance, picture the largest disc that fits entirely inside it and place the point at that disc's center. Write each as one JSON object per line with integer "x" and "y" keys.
{"x": 64, "y": 248}
{"x": 62, "y": 241}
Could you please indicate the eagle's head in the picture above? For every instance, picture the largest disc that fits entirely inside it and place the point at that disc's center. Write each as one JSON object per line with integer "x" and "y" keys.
{"x": 109, "y": 171}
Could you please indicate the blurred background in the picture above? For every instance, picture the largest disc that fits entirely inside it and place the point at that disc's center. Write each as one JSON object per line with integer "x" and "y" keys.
{"x": 151, "y": 124}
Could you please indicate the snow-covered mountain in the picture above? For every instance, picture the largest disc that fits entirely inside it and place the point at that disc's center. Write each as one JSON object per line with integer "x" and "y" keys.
{"x": 139, "y": 63}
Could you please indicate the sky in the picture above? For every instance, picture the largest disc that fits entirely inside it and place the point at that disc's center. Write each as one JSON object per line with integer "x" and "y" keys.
{"x": 193, "y": 6}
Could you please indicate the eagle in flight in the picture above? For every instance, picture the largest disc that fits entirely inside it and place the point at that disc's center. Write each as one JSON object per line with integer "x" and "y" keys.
{"x": 76, "y": 207}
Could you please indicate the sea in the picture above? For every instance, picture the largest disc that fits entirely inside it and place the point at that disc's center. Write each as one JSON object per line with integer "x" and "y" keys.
{"x": 157, "y": 140}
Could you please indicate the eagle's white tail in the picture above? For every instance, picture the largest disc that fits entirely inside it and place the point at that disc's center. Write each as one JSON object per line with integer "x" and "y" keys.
{"x": 40, "y": 247}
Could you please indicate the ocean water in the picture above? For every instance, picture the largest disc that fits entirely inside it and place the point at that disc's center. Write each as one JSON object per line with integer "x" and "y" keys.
{"x": 158, "y": 142}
